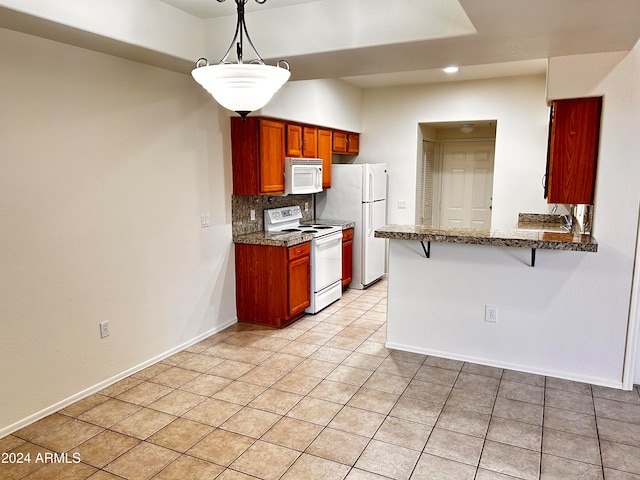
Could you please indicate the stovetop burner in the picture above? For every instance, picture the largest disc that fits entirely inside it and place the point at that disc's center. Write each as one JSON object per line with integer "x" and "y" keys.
{"x": 287, "y": 220}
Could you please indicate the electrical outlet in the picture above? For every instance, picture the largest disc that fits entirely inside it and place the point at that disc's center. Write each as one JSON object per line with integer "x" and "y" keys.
{"x": 491, "y": 313}
{"x": 306, "y": 206}
{"x": 205, "y": 221}
{"x": 252, "y": 215}
{"x": 104, "y": 329}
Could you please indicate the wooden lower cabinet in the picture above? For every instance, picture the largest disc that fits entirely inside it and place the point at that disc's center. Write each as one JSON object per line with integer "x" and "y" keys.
{"x": 347, "y": 257}
{"x": 272, "y": 283}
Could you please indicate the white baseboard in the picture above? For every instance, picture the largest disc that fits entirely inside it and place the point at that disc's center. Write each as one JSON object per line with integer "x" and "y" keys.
{"x": 509, "y": 366}
{"x": 110, "y": 381}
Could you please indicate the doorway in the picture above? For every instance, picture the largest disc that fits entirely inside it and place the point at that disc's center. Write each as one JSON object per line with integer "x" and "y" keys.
{"x": 466, "y": 184}
{"x": 454, "y": 174}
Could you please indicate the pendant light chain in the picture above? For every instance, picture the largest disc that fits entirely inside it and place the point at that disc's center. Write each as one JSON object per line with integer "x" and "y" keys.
{"x": 241, "y": 32}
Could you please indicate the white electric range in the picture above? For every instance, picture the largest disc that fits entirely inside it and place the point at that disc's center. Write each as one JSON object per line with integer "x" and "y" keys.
{"x": 326, "y": 253}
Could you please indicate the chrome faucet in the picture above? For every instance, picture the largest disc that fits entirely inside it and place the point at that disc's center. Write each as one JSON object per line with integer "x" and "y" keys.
{"x": 568, "y": 218}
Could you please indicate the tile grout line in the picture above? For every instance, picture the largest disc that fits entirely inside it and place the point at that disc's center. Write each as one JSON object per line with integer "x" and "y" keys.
{"x": 484, "y": 441}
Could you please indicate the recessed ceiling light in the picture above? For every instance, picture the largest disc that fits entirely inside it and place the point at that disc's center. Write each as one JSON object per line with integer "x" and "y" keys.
{"x": 451, "y": 69}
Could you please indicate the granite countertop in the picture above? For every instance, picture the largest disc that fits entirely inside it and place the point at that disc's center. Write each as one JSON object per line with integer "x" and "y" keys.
{"x": 517, "y": 237}
{"x": 288, "y": 239}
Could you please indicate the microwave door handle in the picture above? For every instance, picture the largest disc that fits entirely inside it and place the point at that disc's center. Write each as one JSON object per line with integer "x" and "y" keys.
{"x": 319, "y": 179}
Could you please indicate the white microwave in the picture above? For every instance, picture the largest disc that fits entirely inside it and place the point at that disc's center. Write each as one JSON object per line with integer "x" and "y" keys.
{"x": 302, "y": 175}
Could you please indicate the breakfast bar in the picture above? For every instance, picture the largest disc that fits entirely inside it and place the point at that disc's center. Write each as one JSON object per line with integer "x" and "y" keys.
{"x": 523, "y": 237}
{"x": 463, "y": 294}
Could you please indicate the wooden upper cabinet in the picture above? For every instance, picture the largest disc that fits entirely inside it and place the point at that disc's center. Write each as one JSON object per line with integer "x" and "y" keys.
{"x": 271, "y": 157}
{"x": 294, "y": 140}
{"x": 346, "y": 143}
{"x": 353, "y": 143}
{"x": 259, "y": 146}
{"x": 573, "y": 150}
{"x": 301, "y": 141}
{"x": 324, "y": 152}
{"x": 309, "y": 142}
{"x": 339, "y": 142}
{"x": 258, "y": 152}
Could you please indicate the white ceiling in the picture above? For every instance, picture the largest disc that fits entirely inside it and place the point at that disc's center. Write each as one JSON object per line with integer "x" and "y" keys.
{"x": 369, "y": 43}
{"x": 216, "y": 8}
{"x": 508, "y": 37}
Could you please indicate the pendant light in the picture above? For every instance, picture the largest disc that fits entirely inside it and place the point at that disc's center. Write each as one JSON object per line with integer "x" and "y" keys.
{"x": 241, "y": 87}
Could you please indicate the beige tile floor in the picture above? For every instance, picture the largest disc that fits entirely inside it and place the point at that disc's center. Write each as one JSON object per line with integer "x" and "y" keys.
{"x": 324, "y": 399}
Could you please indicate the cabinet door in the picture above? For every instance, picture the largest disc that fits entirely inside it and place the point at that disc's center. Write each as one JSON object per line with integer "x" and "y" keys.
{"x": 294, "y": 141}
{"x": 347, "y": 256}
{"x": 353, "y": 143}
{"x": 272, "y": 153}
{"x": 573, "y": 150}
{"x": 245, "y": 155}
{"x": 324, "y": 152}
{"x": 339, "y": 142}
{"x": 299, "y": 285}
{"x": 309, "y": 142}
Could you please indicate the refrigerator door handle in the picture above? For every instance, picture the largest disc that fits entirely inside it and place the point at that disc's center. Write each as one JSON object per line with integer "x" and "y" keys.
{"x": 370, "y": 192}
{"x": 370, "y": 226}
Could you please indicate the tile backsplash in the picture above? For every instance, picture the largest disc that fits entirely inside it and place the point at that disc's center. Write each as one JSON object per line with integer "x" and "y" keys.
{"x": 241, "y": 206}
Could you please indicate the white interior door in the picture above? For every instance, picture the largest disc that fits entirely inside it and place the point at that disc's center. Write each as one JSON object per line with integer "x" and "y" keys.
{"x": 467, "y": 185}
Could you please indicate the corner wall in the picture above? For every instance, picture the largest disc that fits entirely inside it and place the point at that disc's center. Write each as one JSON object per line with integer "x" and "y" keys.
{"x": 568, "y": 316}
{"x": 391, "y": 134}
{"x": 107, "y": 166}
{"x": 615, "y": 76}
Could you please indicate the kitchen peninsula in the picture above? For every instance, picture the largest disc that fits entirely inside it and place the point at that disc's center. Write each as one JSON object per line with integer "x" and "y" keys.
{"x": 437, "y": 300}
{"x": 519, "y": 237}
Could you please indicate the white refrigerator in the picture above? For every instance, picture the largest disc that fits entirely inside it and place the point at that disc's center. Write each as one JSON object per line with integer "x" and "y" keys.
{"x": 358, "y": 193}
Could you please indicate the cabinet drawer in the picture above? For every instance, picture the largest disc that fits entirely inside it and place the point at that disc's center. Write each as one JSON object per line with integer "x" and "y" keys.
{"x": 304, "y": 249}
{"x": 347, "y": 234}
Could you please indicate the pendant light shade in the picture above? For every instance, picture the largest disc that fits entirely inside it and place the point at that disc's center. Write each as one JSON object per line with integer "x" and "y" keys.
{"x": 241, "y": 87}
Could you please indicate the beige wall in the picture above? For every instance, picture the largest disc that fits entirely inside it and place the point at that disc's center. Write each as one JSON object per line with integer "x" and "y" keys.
{"x": 391, "y": 134}
{"x": 106, "y": 167}
{"x": 326, "y": 103}
{"x": 569, "y": 316}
